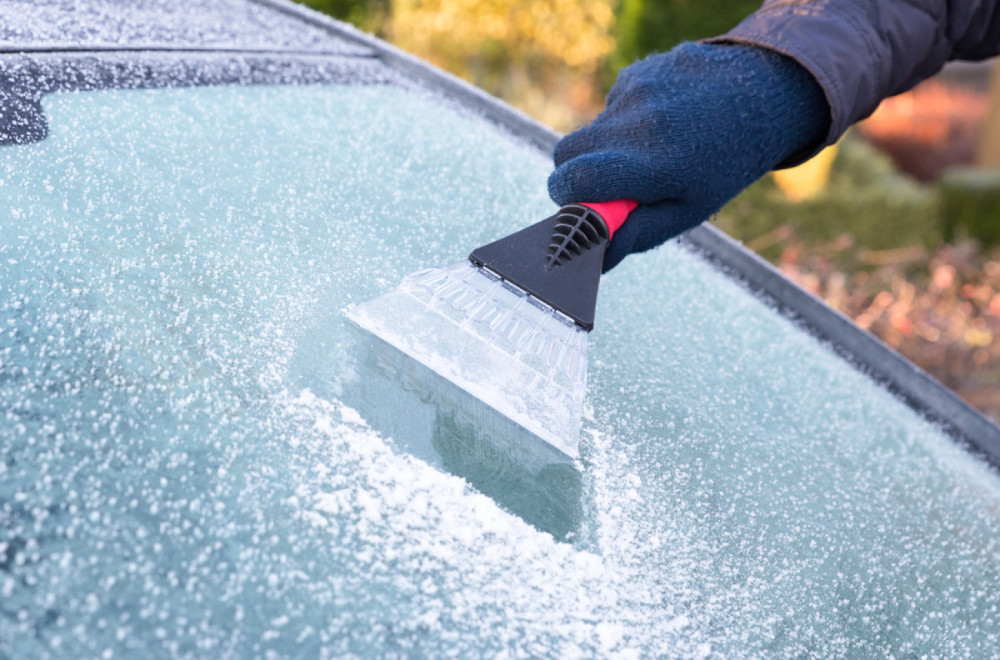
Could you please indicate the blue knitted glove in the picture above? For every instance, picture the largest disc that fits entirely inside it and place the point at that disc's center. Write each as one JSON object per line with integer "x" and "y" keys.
{"x": 684, "y": 132}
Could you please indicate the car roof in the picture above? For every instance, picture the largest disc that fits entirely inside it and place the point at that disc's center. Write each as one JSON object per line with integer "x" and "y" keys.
{"x": 284, "y": 27}
{"x": 54, "y": 25}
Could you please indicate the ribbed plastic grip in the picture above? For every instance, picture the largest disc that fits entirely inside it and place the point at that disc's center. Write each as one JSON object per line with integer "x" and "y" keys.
{"x": 577, "y": 229}
{"x": 558, "y": 261}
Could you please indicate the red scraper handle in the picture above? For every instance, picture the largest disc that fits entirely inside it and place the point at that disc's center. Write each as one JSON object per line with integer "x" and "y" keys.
{"x": 614, "y": 213}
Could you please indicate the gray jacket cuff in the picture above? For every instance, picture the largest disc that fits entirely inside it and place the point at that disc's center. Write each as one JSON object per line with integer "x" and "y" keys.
{"x": 858, "y": 55}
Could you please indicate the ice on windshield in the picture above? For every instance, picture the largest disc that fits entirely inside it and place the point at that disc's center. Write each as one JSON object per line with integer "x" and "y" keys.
{"x": 200, "y": 456}
{"x": 159, "y": 23}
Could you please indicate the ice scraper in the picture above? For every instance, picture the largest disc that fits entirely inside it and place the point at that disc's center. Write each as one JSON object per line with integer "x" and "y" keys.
{"x": 509, "y": 325}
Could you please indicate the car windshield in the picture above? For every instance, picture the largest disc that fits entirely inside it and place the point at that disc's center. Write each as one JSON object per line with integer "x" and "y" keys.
{"x": 200, "y": 455}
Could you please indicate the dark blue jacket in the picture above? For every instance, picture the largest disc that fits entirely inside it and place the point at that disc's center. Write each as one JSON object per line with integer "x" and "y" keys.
{"x": 862, "y": 51}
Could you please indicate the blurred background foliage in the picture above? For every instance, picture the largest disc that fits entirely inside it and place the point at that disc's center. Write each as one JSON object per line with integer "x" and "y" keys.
{"x": 528, "y": 51}
{"x": 647, "y": 26}
{"x": 897, "y": 226}
{"x": 554, "y": 59}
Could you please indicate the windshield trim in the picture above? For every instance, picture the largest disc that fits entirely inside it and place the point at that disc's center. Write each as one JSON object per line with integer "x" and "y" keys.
{"x": 865, "y": 351}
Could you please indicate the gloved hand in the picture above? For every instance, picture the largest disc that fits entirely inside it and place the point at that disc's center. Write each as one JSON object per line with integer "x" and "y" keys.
{"x": 684, "y": 132}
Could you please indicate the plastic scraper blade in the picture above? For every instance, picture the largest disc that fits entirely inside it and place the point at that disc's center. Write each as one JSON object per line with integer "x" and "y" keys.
{"x": 503, "y": 346}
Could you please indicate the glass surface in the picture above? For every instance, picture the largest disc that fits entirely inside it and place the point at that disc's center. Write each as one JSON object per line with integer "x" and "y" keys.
{"x": 200, "y": 456}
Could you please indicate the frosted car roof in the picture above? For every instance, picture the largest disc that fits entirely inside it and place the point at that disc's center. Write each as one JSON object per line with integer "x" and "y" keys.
{"x": 33, "y": 25}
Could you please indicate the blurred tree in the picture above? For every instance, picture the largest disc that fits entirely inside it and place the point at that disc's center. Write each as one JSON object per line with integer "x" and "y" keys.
{"x": 647, "y": 26}
{"x": 541, "y": 55}
{"x": 369, "y": 15}
{"x": 989, "y": 145}
{"x": 572, "y": 32}
{"x": 551, "y": 58}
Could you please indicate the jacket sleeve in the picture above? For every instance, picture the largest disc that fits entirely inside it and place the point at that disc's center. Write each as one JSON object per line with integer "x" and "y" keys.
{"x": 861, "y": 51}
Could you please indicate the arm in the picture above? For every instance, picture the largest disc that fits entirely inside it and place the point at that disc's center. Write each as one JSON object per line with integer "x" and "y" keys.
{"x": 861, "y": 51}
{"x": 685, "y": 131}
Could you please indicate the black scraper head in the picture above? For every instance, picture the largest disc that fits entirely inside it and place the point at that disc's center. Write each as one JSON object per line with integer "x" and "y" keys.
{"x": 557, "y": 260}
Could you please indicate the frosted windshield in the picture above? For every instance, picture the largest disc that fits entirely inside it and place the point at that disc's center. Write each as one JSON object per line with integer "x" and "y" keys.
{"x": 199, "y": 456}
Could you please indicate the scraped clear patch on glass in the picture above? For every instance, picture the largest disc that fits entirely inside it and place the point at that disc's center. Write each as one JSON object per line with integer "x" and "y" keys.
{"x": 492, "y": 340}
